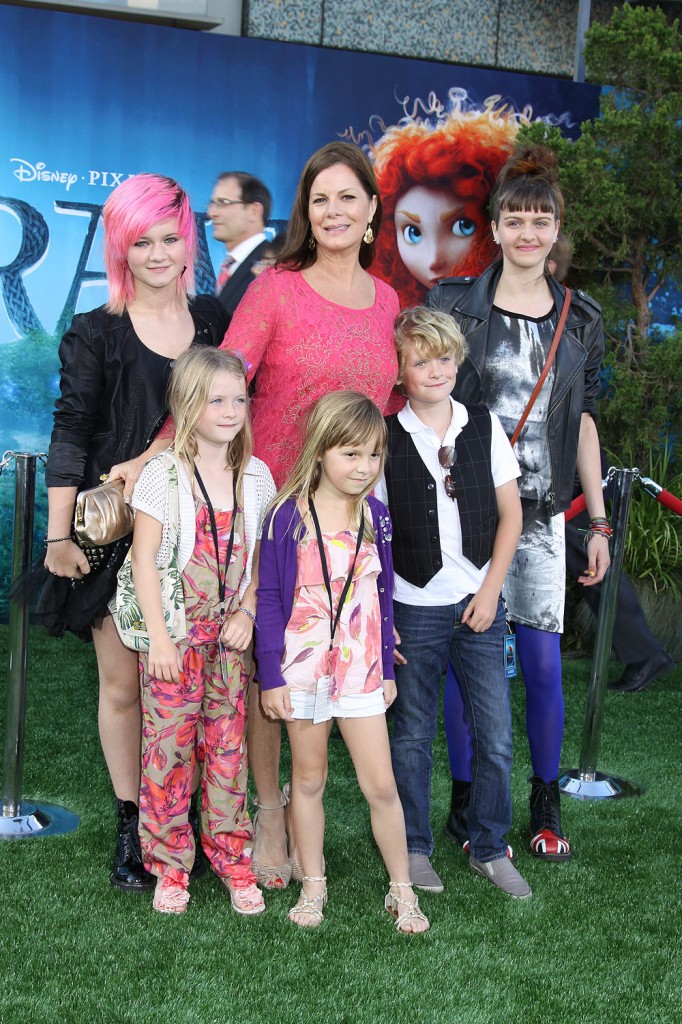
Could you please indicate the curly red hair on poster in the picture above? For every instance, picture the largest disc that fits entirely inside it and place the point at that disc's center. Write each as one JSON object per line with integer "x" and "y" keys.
{"x": 435, "y": 175}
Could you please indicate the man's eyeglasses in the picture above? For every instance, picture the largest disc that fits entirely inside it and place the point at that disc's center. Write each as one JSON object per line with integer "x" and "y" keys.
{"x": 447, "y": 456}
{"x": 222, "y": 203}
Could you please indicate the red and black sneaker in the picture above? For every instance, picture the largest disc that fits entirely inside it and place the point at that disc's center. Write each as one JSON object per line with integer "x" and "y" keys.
{"x": 547, "y": 839}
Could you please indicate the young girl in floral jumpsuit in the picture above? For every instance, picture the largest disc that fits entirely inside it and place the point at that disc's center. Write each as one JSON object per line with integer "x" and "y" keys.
{"x": 193, "y": 693}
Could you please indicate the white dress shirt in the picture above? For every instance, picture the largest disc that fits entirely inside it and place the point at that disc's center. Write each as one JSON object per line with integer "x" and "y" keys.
{"x": 458, "y": 576}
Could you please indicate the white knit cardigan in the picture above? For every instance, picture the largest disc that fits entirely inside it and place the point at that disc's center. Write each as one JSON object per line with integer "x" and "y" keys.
{"x": 151, "y": 495}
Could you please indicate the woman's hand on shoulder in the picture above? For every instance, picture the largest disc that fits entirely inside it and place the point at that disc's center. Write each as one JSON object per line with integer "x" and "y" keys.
{"x": 237, "y": 631}
{"x": 66, "y": 559}
{"x": 164, "y": 660}
{"x": 130, "y": 472}
{"x": 277, "y": 704}
{"x": 598, "y": 560}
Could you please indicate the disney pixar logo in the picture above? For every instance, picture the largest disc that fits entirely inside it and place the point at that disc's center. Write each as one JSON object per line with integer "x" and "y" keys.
{"x": 25, "y": 171}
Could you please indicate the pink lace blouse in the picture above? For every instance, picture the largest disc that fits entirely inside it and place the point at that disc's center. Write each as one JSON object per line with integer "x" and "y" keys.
{"x": 301, "y": 346}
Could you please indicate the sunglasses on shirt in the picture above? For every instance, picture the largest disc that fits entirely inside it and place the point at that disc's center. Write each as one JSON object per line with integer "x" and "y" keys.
{"x": 447, "y": 456}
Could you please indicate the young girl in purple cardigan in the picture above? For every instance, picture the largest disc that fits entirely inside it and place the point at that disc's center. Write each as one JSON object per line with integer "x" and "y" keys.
{"x": 325, "y": 638}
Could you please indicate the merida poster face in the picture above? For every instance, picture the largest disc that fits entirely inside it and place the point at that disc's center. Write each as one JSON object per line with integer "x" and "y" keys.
{"x": 85, "y": 102}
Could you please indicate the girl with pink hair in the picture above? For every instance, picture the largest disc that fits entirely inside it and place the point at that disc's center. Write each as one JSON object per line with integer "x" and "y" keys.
{"x": 115, "y": 365}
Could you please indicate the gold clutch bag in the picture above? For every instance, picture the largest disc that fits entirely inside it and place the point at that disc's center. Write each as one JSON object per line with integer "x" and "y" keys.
{"x": 102, "y": 515}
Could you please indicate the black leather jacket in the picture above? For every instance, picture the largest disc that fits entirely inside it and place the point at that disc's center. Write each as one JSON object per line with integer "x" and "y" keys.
{"x": 113, "y": 392}
{"x": 576, "y": 368}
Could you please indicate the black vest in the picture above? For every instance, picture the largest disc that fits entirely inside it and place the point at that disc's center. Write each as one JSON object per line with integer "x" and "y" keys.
{"x": 411, "y": 489}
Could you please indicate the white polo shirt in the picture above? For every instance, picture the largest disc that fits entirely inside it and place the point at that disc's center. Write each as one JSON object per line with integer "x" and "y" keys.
{"x": 458, "y": 576}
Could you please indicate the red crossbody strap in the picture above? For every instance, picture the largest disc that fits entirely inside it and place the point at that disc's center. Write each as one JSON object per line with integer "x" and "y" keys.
{"x": 546, "y": 368}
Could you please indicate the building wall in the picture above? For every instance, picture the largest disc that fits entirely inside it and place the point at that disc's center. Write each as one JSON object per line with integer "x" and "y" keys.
{"x": 518, "y": 35}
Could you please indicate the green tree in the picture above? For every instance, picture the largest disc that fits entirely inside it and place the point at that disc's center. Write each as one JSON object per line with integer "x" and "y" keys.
{"x": 622, "y": 176}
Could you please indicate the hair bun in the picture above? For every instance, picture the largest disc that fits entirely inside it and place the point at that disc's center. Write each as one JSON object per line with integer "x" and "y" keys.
{"x": 536, "y": 161}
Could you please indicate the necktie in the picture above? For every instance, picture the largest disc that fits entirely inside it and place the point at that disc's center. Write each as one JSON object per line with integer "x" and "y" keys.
{"x": 224, "y": 273}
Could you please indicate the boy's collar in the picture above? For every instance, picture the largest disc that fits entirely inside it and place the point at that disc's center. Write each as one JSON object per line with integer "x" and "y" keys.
{"x": 413, "y": 425}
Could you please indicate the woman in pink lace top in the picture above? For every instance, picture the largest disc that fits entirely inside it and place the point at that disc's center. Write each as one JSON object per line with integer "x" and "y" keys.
{"x": 303, "y": 346}
{"x": 316, "y": 322}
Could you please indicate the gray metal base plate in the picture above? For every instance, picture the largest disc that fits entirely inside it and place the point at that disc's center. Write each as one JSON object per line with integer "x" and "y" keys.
{"x": 597, "y": 786}
{"x": 38, "y": 820}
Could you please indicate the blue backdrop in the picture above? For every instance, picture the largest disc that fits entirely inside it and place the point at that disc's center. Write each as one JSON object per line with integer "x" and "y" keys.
{"x": 85, "y": 102}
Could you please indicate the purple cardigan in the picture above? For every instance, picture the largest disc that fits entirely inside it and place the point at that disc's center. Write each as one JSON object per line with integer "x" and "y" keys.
{"x": 277, "y": 583}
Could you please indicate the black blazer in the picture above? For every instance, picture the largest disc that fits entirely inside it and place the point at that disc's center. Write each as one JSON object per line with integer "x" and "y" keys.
{"x": 234, "y": 289}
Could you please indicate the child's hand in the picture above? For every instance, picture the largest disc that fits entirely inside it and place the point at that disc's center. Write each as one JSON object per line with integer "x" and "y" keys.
{"x": 237, "y": 631}
{"x": 165, "y": 660}
{"x": 480, "y": 613}
{"x": 276, "y": 703}
{"x": 390, "y": 691}
{"x": 397, "y": 656}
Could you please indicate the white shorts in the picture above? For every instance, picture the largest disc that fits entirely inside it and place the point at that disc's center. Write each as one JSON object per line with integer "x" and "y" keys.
{"x": 353, "y": 705}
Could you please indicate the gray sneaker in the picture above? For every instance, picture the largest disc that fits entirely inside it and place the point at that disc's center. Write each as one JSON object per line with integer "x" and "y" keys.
{"x": 504, "y": 875}
{"x": 422, "y": 874}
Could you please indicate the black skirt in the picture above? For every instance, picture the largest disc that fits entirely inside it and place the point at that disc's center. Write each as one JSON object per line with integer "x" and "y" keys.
{"x": 75, "y": 607}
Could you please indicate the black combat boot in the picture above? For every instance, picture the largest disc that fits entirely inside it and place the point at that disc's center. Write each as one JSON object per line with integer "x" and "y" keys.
{"x": 129, "y": 872}
{"x": 457, "y": 826}
{"x": 547, "y": 839}
{"x": 199, "y": 865}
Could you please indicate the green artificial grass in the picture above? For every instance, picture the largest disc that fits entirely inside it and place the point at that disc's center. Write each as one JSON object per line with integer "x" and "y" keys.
{"x": 598, "y": 942}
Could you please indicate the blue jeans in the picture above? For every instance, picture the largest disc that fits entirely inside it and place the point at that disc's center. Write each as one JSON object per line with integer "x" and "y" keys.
{"x": 430, "y": 637}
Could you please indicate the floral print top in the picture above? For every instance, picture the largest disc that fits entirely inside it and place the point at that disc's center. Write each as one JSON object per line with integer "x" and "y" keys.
{"x": 200, "y": 578}
{"x": 356, "y": 665}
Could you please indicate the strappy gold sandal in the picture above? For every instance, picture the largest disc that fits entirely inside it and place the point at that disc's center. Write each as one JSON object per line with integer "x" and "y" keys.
{"x": 393, "y": 902}
{"x": 269, "y": 876}
{"x": 309, "y": 904}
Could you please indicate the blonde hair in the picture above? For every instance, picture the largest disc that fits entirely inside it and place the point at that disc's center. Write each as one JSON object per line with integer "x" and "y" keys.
{"x": 336, "y": 420}
{"x": 433, "y": 334}
{"x": 188, "y": 394}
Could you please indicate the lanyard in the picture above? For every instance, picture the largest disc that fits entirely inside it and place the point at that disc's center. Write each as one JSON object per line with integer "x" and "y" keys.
{"x": 222, "y": 580}
{"x": 334, "y": 619}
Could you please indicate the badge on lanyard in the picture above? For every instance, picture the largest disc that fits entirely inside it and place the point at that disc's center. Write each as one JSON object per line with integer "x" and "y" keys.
{"x": 222, "y": 580}
{"x": 510, "y": 656}
{"x": 323, "y": 693}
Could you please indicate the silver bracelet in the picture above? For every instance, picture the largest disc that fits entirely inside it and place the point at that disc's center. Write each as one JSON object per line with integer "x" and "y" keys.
{"x": 55, "y": 540}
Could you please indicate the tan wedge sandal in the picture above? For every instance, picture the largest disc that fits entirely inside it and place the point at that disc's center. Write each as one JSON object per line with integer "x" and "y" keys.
{"x": 309, "y": 904}
{"x": 269, "y": 876}
{"x": 394, "y": 902}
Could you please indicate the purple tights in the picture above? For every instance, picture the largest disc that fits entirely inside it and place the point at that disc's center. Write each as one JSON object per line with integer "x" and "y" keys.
{"x": 539, "y": 655}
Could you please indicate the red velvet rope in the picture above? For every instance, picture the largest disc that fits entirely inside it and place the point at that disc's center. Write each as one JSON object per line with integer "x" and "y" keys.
{"x": 577, "y": 506}
{"x": 664, "y": 498}
{"x": 670, "y": 501}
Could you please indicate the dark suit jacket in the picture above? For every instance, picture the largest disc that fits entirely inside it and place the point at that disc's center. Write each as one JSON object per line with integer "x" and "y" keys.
{"x": 233, "y": 291}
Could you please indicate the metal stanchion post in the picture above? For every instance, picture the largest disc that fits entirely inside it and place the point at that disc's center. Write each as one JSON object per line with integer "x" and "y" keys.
{"x": 585, "y": 782}
{"x": 20, "y": 819}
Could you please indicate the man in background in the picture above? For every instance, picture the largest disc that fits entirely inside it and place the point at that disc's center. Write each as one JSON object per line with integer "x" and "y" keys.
{"x": 239, "y": 210}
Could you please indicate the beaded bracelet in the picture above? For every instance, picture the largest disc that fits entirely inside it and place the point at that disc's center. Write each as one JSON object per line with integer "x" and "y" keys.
{"x": 599, "y": 527}
{"x": 249, "y": 614}
{"x": 55, "y": 540}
